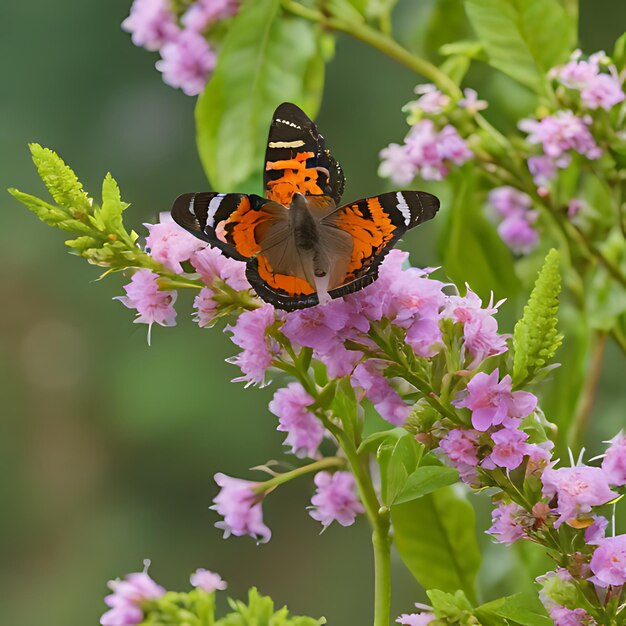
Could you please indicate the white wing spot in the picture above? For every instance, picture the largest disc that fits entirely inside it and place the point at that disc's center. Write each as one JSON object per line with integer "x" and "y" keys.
{"x": 213, "y": 206}
{"x": 286, "y": 144}
{"x": 191, "y": 203}
{"x": 403, "y": 207}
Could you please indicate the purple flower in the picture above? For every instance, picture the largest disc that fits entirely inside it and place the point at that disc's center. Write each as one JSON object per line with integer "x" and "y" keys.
{"x": 396, "y": 164}
{"x": 241, "y": 508}
{"x": 416, "y": 619}
{"x": 577, "y": 489}
{"x": 151, "y": 23}
{"x": 207, "y": 581}
{"x": 206, "y": 308}
{"x": 604, "y": 91}
{"x": 170, "y": 244}
{"x": 203, "y": 13}
{"x": 152, "y": 305}
{"x": 493, "y": 403}
{"x": 250, "y": 334}
{"x": 510, "y": 447}
{"x": 563, "y": 616}
{"x": 518, "y": 234}
{"x": 460, "y": 446}
{"x": 509, "y": 202}
{"x": 614, "y": 462}
{"x": 187, "y": 62}
{"x": 335, "y": 499}
{"x": 608, "y": 562}
{"x": 127, "y": 595}
{"x": 471, "y": 103}
{"x": 595, "y": 532}
{"x": 211, "y": 264}
{"x": 507, "y": 523}
{"x": 431, "y": 100}
{"x": 380, "y": 393}
{"x": 304, "y": 431}
{"x": 543, "y": 170}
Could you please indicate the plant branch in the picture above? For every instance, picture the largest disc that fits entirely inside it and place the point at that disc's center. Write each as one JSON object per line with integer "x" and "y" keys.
{"x": 317, "y": 466}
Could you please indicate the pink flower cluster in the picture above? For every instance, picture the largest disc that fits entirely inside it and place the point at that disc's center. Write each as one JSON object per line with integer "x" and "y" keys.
{"x": 127, "y": 598}
{"x": 424, "y": 617}
{"x": 516, "y": 228}
{"x": 335, "y": 499}
{"x": 597, "y": 89}
{"x": 187, "y": 58}
{"x": 559, "y": 136}
{"x": 426, "y": 152}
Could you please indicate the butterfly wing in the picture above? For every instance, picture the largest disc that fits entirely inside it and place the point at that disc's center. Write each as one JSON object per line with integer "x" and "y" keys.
{"x": 296, "y": 159}
{"x": 236, "y": 223}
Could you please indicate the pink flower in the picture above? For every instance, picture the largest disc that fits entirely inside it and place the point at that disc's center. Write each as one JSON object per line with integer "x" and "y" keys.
{"x": 187, "y": 62}
{"x": 604, "y": 91}
{"x": 151, "y": 23}
{"x": 207, "y": 581}
{"x": 206, "y": 308}
{"x": 518, "y": 234}
{"x": 608, "y": 562}
{"x": 509, "y": 202}
{"x": 127, "y": 595}
{"x": 614, "y": 462}
{"x": 559, "y": 133}
{"x": 595, "y": 532}
{"x": 203, "y": 13}
{"x": 335, "y": 499}
{"x": 380, "y": 393}
{"x": 493, "y": 403}
{"x": 211, "y": 264}
{"x": 543, "y": 170}
{"x": 510, "y": 447}
{"x": 170, "y": 244}
{"x": 563, "y": 616}
{"x": 507, "y": 523}
{"x": 471, "y": 103}
{"x": 539, "y": 456}
{"x": 250, "y": 334}
{"x": 416, "y": 619}
{"x": 304, "y": 431}
{"x": 152, "y": 305}
{"x": 431, "y": 100}
{"x": 577, "y": 489}
{"x": 480, "y": 328}
{"x": 241, "y": 508}
{"x": 396, "y": 164}
{"x": 460, "y": 446}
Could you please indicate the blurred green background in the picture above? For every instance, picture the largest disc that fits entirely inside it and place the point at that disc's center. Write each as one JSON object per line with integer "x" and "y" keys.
{"x": 107, "y": 447}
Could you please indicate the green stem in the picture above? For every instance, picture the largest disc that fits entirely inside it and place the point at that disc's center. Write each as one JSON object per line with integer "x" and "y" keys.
{"x": 588, "y": 395}
{"x": 317, "y": 466}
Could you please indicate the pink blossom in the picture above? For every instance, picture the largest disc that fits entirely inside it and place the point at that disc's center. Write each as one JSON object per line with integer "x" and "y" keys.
{"x": 396, "y": 164}
{"x": 335, "y": 499}
{"x": 509, "y": 202}
{"x": 203, "y": 13}
{"x": 416, "y": 619}
{"x": 574, "y": 206}
{"x": 471, "y": 103}
{"x": 380, "y": 393}
{"x": 187, "y": 62}
{"x": 604, "y": 91}
{"x": 460, "y": 446}
{"x": 518, "y": 234}
{"x": 507, "y": 523}
{"x": 608, "y": 562}
{"x": 595, "y": 532}
{"x": 539, "y": 456}
{"x": 559, "y": 133}
{"x": 431, "y": 100}
{"x": 563, "y": 616}
{"x": 250, "y": 334}
{"x": 493, "y": 403}
{"x": 152, "y": 305}
{"x": 614, "y": 462}
{"x": 206, "y": 308}
{"x": 542, "y": 169}
{"x": 304, "y": 431}
{"x": 577, "y": 489}
{"x": 211, "y": 264}
{"x": 510, "y": 448}
{"x": 170, "y": 244}
{"x": 207, "y": 581}
{"x": 122, "y": 615}
{"x": 151, "y": 23}
{"x": 127, "y": 595}
{"x": 241, "y": 508}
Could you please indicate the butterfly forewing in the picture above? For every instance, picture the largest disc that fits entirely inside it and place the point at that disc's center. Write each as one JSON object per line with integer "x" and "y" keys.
{"x": 296, "y": 159}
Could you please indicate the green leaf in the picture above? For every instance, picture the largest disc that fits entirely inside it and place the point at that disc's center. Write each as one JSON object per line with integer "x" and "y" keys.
{"x": 454, "y": 608}
{"x": 266, "y": 58}
{"x": 397, "y": 460}
{"x": 619, "y": 53}
{"x": 260, "y": 612}
{"x": 535, "y": 338}
{"x": 435, "y": 536}
{"x": 109, "y": 217}
{"x": 373, "y": 441}
{"x": 523, "y": 38}
{"x": 47, "y": 213}
{"x": 425, "y": 480}
{"x": 522, "y": 608}
{"x": 471, "y": 249}
{"x": 60, "y": 180}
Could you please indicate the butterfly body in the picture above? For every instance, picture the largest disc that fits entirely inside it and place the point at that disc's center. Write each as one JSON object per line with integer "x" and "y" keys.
{"x": 302, "y": 248}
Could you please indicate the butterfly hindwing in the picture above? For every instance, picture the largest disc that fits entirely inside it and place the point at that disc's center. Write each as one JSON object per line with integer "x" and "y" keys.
{"x": 234, "y": 222}
{"x": 296, "y": 159}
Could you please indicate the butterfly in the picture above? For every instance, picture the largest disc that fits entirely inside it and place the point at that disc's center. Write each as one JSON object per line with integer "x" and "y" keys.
{"x": 301, "y": 246}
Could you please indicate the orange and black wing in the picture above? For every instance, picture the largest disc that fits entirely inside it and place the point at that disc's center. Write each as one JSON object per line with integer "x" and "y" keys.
{"x": 375, "y": 225}
{"x": 296, "y": 159}
{"x": 234, "y": 222}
